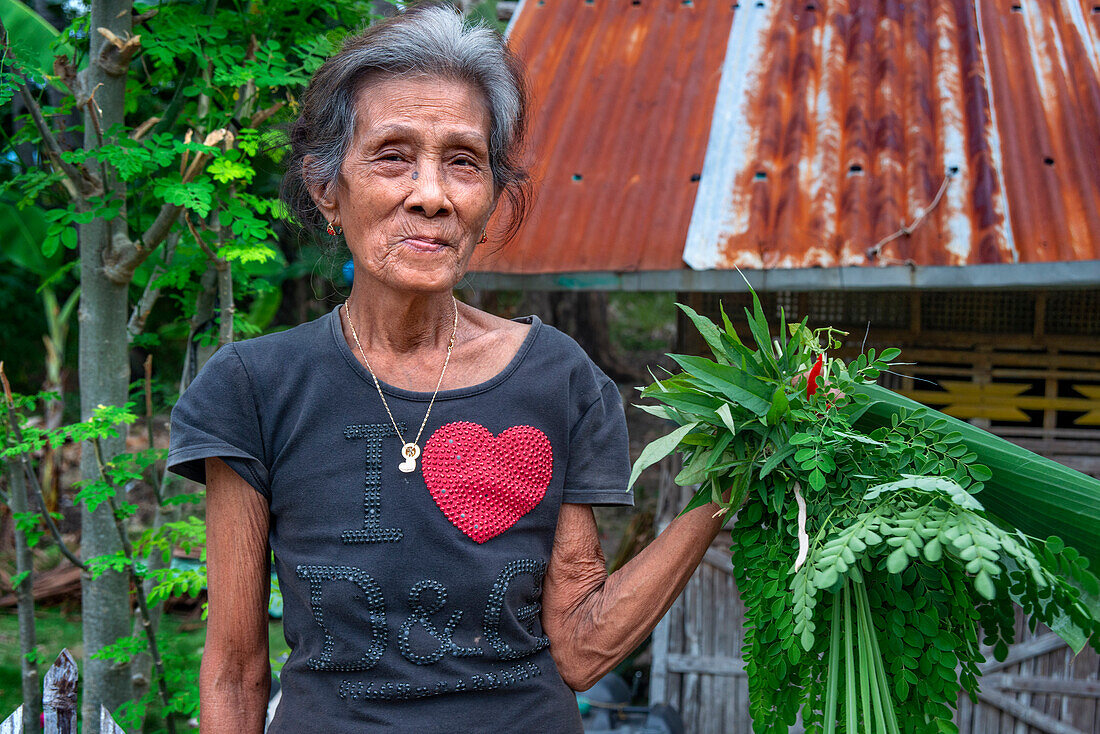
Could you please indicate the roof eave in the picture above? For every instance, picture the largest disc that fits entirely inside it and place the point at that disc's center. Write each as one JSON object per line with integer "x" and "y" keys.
{"x": 904, "y": 277}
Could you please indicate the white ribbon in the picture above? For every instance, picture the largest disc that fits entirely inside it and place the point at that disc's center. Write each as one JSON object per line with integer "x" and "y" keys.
{"x": 803, "y": 538}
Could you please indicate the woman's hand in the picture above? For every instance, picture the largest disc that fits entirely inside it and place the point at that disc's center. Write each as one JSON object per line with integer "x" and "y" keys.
{"x": 235, "y": 675}
{"x": 594, "y": 620}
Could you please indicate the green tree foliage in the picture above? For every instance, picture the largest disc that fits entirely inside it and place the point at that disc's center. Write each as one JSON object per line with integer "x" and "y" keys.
{"x": 208, "y": 91}
{"x": 144, "y": 164}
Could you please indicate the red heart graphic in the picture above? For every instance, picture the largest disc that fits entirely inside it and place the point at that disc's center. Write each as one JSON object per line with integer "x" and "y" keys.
{"x": 484, "y": 483}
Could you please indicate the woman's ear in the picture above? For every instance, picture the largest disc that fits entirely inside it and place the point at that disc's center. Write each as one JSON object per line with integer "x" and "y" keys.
{"x": 323, "y": 195}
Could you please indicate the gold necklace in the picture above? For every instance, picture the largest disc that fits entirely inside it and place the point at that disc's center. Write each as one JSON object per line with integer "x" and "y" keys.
{"x": 409, "y": 449}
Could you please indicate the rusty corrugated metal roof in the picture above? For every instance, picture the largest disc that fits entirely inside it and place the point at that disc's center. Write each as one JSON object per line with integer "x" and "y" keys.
{"x": 836, "y": 123}
{"x": 623, "y": 98}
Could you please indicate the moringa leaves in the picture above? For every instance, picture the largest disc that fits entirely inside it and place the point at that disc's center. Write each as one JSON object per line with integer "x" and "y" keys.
{"x": 886, "y": 496}
{"x": 944, "y": 486}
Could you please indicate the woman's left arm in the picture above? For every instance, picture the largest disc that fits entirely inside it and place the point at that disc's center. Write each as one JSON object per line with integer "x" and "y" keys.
{"x": 595, "y": 620}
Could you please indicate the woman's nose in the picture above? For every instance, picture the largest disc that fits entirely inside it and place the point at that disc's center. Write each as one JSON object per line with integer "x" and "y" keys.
{"x": 428, "y": 195}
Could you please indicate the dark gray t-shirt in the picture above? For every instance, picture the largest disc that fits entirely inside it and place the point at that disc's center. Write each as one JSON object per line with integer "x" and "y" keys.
{"x": 411, "y": 600}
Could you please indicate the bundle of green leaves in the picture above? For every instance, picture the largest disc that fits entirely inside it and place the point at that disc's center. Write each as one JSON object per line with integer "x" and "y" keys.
{"x": 870, "y": 571}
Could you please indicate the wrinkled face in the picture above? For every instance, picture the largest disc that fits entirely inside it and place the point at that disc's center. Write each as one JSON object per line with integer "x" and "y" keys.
{"x": 415, "y": 190}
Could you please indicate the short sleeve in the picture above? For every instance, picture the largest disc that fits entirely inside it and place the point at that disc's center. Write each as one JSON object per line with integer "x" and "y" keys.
{"x": 217, "y": 417}
{"x": 599, "y": 455}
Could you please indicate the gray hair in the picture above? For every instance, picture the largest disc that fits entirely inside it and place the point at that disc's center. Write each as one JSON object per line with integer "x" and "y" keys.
{"x": 432, "y": 40}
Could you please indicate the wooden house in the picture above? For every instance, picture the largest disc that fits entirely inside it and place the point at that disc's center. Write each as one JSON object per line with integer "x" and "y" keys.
{"x": 921, "y": 174}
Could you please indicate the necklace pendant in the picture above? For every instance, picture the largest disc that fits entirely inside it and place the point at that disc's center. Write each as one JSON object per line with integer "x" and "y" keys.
{"x": 411, "y": 452}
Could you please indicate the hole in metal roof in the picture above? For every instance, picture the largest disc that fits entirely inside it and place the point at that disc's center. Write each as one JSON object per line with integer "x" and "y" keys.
{"x": 686, "y": 2}
{"x": 635, "y": 2}
{"x": 952, "y": 170}
{"x": 577, "y": 177}
{"x": 855, "y": 170}
{"x": 735, "y": 6}
{"x": 1017, "y": 9}
{"x": 760, "y": 176}
{"x": 759, "y": 4}
{"x": 811, "y": 7}
{"x": 1096, "y": 8}
{"x": 695, "y": 177}
{"x": 1048, "y": 161}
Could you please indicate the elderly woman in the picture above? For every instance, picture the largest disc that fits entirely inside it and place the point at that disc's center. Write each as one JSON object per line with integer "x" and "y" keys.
{"x": 423, "y": 472}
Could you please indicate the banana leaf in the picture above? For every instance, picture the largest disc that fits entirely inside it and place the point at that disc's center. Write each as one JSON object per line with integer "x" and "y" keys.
{"x": 30, "y": 37}
{"x": 1037, "y": 495}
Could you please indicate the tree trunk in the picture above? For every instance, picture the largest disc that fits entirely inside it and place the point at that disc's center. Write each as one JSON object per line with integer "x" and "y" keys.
{"x": 24, "y": 594}
{"x": 104, "y": 379}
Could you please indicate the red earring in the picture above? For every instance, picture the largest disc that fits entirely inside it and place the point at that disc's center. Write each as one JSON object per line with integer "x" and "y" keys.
{"x": 331, "y": 229}
{"x": 483, "y": 240}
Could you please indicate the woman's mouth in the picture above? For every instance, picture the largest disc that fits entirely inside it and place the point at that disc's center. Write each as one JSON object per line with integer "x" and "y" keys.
{"x": 425, "y": 244}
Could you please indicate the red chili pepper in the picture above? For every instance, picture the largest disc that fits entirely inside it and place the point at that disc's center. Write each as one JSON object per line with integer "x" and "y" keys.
{"x": 815, "y": 371}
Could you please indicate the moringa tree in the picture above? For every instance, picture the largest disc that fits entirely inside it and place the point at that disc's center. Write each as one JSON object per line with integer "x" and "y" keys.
{"x": 169, "y": 192}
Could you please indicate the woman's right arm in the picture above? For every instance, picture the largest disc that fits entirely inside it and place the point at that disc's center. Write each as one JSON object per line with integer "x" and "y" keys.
{"x": 235, "y": 675}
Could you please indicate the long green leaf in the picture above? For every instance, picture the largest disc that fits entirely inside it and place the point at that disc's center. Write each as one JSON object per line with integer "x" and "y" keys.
{"x": 1033, "y": 493}
{"x": 761, "y": 334}
{"x": 703, "y": 496}
{"x": 832, "y": 685}
{"x": 30, "y": 36}
{"x": 692, "y": 403}
{"x": 779, "y": 407}
{"x": 727, "y": 417}
{"x": 875, "y": 677}
{"x": 884, "y": 684}
{"x": 661, "y": 411}
{"x": 864, "y": 675}
{"x": 718, "y": 450}
{"x": 696, "y": 469}
{"x": 658, "y": 450}
{"x": 1074, "y": 636}
{"x": 849, "y": 666}
{"x": 737, "y": 352}
{"x": 710, "y": 333}
{"x": 777, "y": 458}
{"x": 737, "y": 385}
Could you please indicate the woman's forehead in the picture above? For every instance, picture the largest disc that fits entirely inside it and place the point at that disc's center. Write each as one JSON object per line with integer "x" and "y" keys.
{"x": 416, "y": 106}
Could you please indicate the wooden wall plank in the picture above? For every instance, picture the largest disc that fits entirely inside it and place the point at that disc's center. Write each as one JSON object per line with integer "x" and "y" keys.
{"x": 14, "y": 723}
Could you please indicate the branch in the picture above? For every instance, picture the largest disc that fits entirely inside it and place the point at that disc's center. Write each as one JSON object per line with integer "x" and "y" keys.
{"x": 139, "y": 132}
{"x": 139, "y": 588}
{"x": 114, "y": 58}
{"x": 121, "y": 261}
{"x": 218, "y": 262}
{"x": 144, "y": 306}
{"x": 149, "y": 424}
{"x": 32, "y": 477}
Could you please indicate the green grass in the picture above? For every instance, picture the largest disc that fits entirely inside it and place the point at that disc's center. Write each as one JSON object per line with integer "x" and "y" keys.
{"x": 180, "y": 640}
